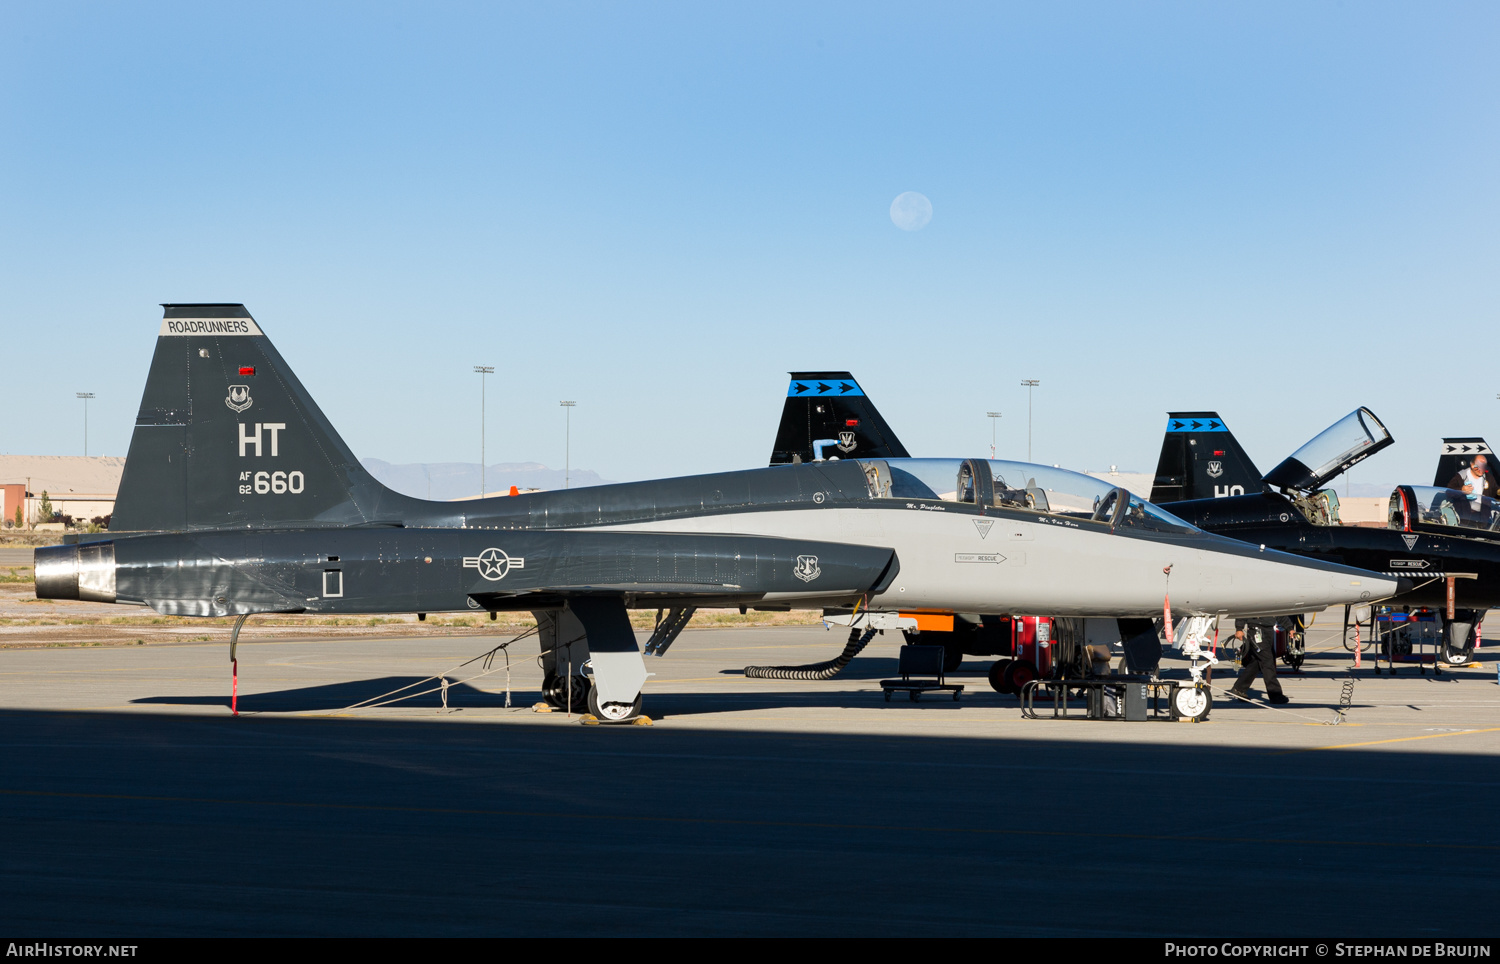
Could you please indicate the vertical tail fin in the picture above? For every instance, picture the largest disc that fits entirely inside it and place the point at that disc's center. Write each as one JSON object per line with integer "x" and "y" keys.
{"x": 227, "y": 436}
{"x": 830, "y": 407}
{"x": 1457, "y": 454}
{"x": 1200, "y": 459}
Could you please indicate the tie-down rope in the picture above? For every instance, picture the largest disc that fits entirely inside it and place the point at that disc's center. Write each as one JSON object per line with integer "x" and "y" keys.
{"x": 443, "y": 682}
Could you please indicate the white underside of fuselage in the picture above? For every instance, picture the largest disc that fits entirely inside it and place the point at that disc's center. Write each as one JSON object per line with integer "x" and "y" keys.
{"x": 958, "y": 562}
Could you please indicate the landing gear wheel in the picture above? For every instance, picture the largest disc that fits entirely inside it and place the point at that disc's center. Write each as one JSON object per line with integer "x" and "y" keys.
{"x": 952, "y": 657}
{"x": 1457, "y": 657}
{"x": 997, "y": 675}
{"x": 555, "y": 692}
{"x": 613, "y": 712}
{"x": 1192, "y": 704}
{"x": 1018, "y": 674}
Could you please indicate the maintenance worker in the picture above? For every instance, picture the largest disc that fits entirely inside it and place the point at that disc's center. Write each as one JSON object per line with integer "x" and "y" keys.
{"x": 1474, "y": 482}
{"x": 1257, "y": 645}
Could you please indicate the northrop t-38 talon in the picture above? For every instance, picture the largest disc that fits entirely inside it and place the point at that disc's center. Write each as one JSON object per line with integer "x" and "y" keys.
{"x": 239, "y": 497}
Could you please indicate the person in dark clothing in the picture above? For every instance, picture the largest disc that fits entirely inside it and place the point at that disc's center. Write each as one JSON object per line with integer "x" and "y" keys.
{"x": 1474, "y": 481}
{"x": 1257, "y": 645}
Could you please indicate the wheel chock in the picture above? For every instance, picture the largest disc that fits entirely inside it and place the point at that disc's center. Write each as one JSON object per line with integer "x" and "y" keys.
{"x": 589, "y": 719}
{"x": 540, "y": 708}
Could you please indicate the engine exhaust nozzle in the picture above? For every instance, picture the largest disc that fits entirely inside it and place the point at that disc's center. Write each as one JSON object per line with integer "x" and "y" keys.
{"x": 85, "y": 572}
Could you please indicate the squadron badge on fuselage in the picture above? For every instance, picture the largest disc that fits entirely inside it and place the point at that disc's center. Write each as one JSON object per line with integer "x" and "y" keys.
{"x": 807, "y": 568}
{"x": 239, "y": 398}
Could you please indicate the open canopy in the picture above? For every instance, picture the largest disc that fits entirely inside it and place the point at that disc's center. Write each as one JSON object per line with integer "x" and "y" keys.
{"x": 1351, "y": 439}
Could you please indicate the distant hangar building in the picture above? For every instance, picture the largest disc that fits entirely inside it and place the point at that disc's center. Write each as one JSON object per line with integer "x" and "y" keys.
{"x": 83, "y": 487}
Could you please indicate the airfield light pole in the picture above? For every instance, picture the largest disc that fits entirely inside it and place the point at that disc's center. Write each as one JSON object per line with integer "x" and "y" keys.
{"x": 1029, "y": 384}
{"x": 482, "y": 370}
{"x": 85, "y": 396}
{"x": 567, "y": 441}
{"x": 993, "y": 416}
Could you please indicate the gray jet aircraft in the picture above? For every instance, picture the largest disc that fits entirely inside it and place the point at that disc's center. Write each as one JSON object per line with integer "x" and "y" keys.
{"x": 239, "y": 497}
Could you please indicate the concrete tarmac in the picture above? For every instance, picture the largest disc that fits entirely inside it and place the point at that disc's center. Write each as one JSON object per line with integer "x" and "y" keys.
{"x": 133, "y": 804}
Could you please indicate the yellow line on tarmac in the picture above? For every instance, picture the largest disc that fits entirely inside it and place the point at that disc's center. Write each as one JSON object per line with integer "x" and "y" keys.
{"x": 1398, "y": 739}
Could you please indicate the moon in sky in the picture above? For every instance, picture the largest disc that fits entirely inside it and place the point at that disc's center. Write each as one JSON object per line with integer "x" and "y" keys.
{"x": 911, "y": 211}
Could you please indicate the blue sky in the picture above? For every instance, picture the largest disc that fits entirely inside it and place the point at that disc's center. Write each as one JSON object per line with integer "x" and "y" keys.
{"x": 1279, "y": 211}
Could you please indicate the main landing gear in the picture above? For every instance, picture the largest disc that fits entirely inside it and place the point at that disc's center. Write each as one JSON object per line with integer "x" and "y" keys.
{"x": 593, "y": 631}
{"x": 556, "y": 692}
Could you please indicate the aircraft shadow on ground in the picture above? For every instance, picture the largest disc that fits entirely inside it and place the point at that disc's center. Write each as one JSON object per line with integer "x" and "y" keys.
{"x": 335, "y": 696}
{"x": 368, "y": 694}
{"x": 857, "y": 690}
{"x": 737, "y": 831}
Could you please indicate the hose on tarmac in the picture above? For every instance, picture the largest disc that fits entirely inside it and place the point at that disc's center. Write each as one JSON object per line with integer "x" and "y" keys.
{"x": 824, "y": 670}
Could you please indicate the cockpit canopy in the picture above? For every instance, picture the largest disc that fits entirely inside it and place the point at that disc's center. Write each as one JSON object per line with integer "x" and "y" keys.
{"x": 1350, "y": 440}
{"x": 1016, "y": 485}
{"x": 1430, "y": 505}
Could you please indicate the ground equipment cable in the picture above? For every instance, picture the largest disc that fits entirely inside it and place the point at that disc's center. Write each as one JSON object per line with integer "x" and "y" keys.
{"x": 824, "y": 670}
{"x": 1338, "y": 717}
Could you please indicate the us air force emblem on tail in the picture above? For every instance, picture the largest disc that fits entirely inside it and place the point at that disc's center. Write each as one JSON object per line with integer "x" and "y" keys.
{"x": 494, "y": 564}
{"x": 807, "y": 568}
{"x": 846, "y": 442}
{"x": 1215, "y": 469}
{"x": 239, "y": 398}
